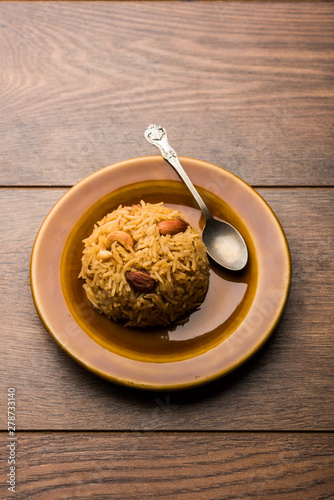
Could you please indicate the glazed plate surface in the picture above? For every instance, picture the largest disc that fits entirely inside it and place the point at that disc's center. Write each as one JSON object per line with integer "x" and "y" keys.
{"x": 240, "y": 310}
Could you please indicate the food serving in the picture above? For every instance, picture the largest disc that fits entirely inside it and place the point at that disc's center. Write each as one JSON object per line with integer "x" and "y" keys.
{"x": 145, "y": 265}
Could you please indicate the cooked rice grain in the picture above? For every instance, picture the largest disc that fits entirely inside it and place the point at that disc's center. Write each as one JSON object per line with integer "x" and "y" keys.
{"x": 178, "y": 263}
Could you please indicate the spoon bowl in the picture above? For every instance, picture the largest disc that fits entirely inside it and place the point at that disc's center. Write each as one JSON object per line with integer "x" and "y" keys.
{"x": 224, "y": 243}
{"x": 224, "y": 246}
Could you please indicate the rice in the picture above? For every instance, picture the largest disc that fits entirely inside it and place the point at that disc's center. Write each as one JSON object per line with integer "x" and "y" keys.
{"x": 139, "y": 270}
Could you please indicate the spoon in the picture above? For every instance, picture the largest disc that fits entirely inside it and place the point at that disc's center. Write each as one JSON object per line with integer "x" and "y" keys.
{"x": 224, "y": 243}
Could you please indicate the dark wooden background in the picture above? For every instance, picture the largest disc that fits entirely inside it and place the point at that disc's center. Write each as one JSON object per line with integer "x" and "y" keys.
{"x": 244, "y": 85}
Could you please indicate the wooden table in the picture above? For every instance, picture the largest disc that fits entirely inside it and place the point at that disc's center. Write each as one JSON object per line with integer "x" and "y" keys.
{"x": 246, "y": 86}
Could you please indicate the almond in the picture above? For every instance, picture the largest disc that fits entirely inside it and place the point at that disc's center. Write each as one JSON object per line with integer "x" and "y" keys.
{"x": 121, "y": 236}
{"x": 172, "y": 226}
{"x": 140, "y": 281}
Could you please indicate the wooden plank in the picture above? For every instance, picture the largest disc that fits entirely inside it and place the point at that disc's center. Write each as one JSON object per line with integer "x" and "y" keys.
{"x": 248, "y": 86}
{"x": 287, "y": 385}
{"x": 172, "y": 465}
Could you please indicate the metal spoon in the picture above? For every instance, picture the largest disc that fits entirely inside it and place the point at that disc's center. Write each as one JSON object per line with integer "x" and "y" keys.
{"x": 224, "y": 243}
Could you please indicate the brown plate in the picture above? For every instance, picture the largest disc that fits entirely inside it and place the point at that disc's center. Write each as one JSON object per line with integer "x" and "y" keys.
{"x": 240, "y": 310}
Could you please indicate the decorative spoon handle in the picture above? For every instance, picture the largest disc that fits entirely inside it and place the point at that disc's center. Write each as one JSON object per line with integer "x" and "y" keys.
{"x": 157, "y": 136}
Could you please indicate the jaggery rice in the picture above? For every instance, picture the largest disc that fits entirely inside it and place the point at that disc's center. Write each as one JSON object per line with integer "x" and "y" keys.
{"x": 145, "y": 265}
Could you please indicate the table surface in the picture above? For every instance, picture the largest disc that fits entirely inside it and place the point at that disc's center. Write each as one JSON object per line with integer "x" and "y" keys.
{"x": 247, "y": 86}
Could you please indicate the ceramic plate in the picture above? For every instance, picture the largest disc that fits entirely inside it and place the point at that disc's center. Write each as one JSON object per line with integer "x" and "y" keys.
{"x": 240, "y": 310}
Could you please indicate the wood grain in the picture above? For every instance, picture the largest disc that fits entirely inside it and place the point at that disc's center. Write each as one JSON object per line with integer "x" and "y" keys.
{"x": 171, "y": 465}
{"x": 244, "y": 85}
{"x": 248, "y": 86}
{"x": 288, "y": 385}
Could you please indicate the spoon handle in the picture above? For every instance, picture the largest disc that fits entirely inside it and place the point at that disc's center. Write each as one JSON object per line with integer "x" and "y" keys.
{"x": 157, "y": 136}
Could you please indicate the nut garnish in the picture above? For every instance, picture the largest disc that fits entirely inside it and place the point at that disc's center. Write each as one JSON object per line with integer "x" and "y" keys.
{"x": 104, "y": 255}
{"x": 140, "y": 281}
{"x": 172, "y": 226}
{"x": 121, "y": 236}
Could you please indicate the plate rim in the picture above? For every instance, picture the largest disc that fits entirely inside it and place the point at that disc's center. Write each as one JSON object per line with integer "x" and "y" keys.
{"x": 167, "y": 386}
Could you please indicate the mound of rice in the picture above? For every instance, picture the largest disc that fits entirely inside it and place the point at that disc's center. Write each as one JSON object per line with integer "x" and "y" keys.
{"x": 138, "y": 275}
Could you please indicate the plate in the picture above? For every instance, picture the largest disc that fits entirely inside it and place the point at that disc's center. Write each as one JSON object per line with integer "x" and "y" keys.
{"x": 240, "y": 310}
